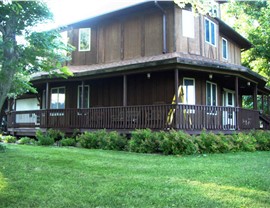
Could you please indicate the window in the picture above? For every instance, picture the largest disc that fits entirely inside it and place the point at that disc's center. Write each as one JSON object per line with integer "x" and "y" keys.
{"x": 84, "y": 39}
{"x": 58, "y": 98}
{"x": 86, "y": 96}
{"x": 188, "y": 24}
{"x": 224, "y": 48}
{"x": 211, "y": 94}
{"x": 210, "y": 32}
{"x": 189, "y": 91}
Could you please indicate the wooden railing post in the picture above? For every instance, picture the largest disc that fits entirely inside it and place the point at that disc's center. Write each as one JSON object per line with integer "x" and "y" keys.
{"x": 176, "y": 85}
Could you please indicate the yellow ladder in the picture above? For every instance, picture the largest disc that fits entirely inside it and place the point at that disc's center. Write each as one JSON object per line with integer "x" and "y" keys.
{"x": 180, "y": 95}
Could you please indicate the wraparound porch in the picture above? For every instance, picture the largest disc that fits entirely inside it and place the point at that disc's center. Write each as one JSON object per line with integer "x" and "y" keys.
{"x": 157, "y": 117}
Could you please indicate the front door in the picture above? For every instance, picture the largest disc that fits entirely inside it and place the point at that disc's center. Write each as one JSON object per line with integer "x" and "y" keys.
{"x": 229, "y": 113}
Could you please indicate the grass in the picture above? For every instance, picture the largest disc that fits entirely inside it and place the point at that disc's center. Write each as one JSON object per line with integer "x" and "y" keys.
{"x": 33, "y": 176}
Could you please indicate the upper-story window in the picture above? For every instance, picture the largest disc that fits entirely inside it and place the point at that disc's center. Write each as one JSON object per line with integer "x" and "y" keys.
{"x": 188, "y": 24}
{"x": 84, "y": 39}
{"x": 224, "y": 48}
{"x": 210, "y": 32}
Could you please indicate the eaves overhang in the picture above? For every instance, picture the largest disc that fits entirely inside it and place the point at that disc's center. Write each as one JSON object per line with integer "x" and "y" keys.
{"x": 233, "y": 35}
{"x": 165, "y": 61}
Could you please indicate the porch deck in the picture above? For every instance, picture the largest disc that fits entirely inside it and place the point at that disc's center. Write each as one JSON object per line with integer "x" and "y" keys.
{"x": 156, "y": 117}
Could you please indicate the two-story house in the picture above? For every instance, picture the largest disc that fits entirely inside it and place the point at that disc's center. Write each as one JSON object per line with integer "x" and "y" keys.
{"x": 152, "y": 65}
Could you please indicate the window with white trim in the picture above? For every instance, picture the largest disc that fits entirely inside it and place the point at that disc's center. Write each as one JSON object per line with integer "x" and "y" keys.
{"x": 224, "y": 48}
{"x": 188, "y": 28}
{"x": 84, "y": 39}
{"x": 189, "y": 91}
{"x": 211, "y": 94}
{"x": 86, "y": 96}
{"x": 58, "y": 98}
{"x": 210, "y": 32}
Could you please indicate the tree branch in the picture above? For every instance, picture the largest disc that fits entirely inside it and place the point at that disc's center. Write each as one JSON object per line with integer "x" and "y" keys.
{"x": 2, "y": 30}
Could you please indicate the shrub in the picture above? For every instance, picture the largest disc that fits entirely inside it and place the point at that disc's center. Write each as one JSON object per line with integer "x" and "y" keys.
{"x": 144, "y": 141}
{"x": 115, "y": 141}
{"x": 263, "y": 140}
{"x": 68, "y": 142}
{"x": 178, "y": 143}
{"x": 244, "y": 142}
{"x": 9, "y": 139}
{"x": 25, "y": 140}
{"x": 214, "y": 143}
{"x": 102, "y": 140}
{"x": 44, "y": 139}
{"x": 88, "y": 140}
{"x": 55, "y": 134}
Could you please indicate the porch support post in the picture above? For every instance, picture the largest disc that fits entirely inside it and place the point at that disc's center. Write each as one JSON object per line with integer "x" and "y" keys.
{"x": 82, "y": 95}
{"x": 125, "y": 90}
{"x": 47, "y": 95}
{"x": 236, "y": 92}
{"x": 268, "y": 105}
{"x": 176, "y": 85}
{"x": 236, "y": 102}
{"x": 255, "y": 93}
{"x": 47, "y": 105}
{"x": 262, "y": 102}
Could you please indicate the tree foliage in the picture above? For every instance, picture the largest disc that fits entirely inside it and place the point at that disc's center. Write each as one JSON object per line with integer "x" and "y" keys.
{"x": 40, "y": 51}
{"x": 199, "y": 6}
{"x": 251, "y": 18}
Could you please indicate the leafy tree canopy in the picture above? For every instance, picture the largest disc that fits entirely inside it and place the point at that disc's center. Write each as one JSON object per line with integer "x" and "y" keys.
{"x": 251, "y": 19}
{"x": 40, "y": 51}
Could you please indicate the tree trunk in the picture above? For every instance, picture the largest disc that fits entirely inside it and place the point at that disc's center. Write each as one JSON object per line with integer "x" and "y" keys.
{"x": 9, "y": 63}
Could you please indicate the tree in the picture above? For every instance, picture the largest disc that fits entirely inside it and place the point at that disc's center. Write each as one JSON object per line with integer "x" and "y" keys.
{"x": 251, "y": 18}
{"x": 40, "y": 51}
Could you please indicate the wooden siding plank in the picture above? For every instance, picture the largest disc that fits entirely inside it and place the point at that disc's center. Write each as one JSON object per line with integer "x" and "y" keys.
{"x": 153, "y": 33}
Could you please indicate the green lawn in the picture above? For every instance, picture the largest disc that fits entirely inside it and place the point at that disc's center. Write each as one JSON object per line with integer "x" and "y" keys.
{"x": 33, "y": 176}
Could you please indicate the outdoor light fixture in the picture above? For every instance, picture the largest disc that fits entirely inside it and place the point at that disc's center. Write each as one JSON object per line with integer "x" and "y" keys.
{"x": 248, "y": 83}
{"x": 210, "y": 76}
{"x": 148, "y": 75}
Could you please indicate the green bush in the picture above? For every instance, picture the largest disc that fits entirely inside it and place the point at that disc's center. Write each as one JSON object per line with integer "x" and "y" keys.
{"x": 9, "y": 139}
{"x": 115, "y": 141}
{"x": 88, "y": 140}
{"x": 44, "y": 139}
{"x": 263, "y": 140}
{"x": 244, "y": 142}
{"x": 25, "y": 140}
{"x": 214, "y": 143}
{"x": 68, "y": 142}
{"x": 144, "y": 141}
{"x": 178, "y": 143}
{"x": 55, "y": 134}
{"x": 102, "y": 140}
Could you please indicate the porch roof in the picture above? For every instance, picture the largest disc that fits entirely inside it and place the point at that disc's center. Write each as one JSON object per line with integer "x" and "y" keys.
{"x": 178, "y": 60}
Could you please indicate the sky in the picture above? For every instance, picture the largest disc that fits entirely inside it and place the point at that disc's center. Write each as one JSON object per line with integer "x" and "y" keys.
{"x": 66, "y": 11}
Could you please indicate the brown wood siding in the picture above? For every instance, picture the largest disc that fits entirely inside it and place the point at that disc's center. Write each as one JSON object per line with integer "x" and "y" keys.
{"x": 132, "y": 37}
{"x": 83, "y": 57}
{"x": 195, "y": 43}
{"x": 112, "y": 41}
{"x": 106, "y": 92}
{"x": 153, "y": 33}
{"x": 170, "y": 29}
{"x": 234, "y": 52}
{"x": 156, "y": 90}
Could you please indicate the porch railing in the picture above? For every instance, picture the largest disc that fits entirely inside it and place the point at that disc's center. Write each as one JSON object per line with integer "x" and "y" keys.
{"x": 186, "y": 117}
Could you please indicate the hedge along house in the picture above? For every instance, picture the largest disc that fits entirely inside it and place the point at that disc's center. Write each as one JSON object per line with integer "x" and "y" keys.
{"x": 129, "y": 66}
